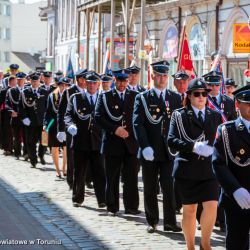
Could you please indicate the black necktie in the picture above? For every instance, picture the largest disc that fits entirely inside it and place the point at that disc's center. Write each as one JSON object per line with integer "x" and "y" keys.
{"x": 215, "y": 100}
{"x": 121, "y": 96}
{"x": 161, "y": 97}
{"x": 91, "y": 101}
{"x": 200, "y": 118}
{"x": 182, "y": 97}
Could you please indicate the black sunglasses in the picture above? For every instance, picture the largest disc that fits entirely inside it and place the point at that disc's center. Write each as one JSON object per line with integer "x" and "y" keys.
{"x": 198, "y": 94}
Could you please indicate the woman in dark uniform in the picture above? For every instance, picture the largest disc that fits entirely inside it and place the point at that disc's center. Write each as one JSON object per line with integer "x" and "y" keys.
{"x": 50, "y": 121}
{"x": 192, "y": 132}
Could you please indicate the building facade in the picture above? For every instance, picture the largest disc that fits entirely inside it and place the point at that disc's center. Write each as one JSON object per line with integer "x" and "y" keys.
{"x": 5, "y": 33}
{"x": 28, "y": 36}
{"x": 209, "y": 27}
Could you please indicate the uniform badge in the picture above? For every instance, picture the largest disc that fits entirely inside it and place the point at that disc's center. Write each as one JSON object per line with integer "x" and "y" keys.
{"x": 116, "y": 107}
{"x": 154, "y": 116}
{"x": 237, "y": 158}
{"x": 241, "y": 127}
{"x": 157, "y": 110}
{"x": 242, "y": 151}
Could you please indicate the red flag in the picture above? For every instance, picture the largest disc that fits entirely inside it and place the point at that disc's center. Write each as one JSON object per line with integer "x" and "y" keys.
{"x": 185, "y": 60}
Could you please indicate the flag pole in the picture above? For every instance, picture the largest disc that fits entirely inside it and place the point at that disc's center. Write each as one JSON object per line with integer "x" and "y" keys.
{"x": 182, "y": 41}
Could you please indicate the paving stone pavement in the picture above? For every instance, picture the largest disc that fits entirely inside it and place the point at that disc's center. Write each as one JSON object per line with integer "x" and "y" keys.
{"x": 88, "y": 227}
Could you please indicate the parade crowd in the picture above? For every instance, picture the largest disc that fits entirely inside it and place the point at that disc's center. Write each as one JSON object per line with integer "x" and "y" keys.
{"x": 192, "y": 145}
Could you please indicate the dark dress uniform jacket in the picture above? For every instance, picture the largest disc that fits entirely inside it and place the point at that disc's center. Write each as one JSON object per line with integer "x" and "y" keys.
{"x": 50, "y": 89}
{"x": 51, "y": 112}
{"x": 33, "y": 106}
{"x": 227, "y": 106}
{"x": 187, "y": 164}
{"x": 139, "y": 88}
{"x": 67, "y": 93}
{"x": 109, "y": 108}
{"x": 231, "y": 158}
{"x": 81, "y": 114}
{"x": 3, "y": 94}
{"x": 12, "y": 104}
{"x": 149, "y": 134}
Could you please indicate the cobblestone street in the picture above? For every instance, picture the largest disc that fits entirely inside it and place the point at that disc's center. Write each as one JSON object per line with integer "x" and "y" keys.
{"x": 49, "y": 202}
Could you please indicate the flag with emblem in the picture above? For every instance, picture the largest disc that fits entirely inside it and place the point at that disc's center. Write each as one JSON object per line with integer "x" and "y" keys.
{"x": 70, "y": 70}
{"x": 107, "y": 66}
{"x": 216, "y": 66}
{"x": 184, "y": 57}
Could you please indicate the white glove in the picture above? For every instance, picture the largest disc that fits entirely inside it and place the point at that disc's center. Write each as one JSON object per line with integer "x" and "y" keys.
{"x": 148, "y": 154}
{"x": 72, "y": 129}
{"x": 61, "y": 136}
{"x": 26, "y": 121}
{"x": 242, "y": 197}
{"x": 201, "y": 148}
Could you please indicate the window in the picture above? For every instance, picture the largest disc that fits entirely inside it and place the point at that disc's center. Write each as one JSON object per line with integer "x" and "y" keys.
{"x": 6, "y": 10}
{"x": 6, "y": 33}
{"x": 6, "y": 56}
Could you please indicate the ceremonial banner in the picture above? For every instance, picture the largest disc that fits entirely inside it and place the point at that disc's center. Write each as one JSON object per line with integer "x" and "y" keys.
{"x": 241, "y": 38}
{"x": 70, "y": 70}
{"x": 216, "y": 66}
{"x": 185, "y": 60}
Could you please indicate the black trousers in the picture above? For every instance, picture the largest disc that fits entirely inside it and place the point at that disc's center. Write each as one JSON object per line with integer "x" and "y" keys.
{"x": 70, "y": 160}
{"x": 7, "y": 136}
{"x": 18, "y": 138}
{"x": 94, "y": 160}
{"x": 129, "y": 166}
{"x": 150, "y": 172}
{"x": 33, "y": 136}
{"x": 238, "y": 228}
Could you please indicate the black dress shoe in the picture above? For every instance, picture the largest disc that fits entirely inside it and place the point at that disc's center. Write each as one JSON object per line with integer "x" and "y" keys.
{"x": 77, "y": 204}
{"x": 102, "y": 205}
{"x": 7, "y": 153}
{"x": 172, "y": 227}
{"x": 17, "y": 157}
{"x": 26, "y": 157}
{"x": 43, "y": 162}
{"x": 33, "y": 165}
{"x": 111, "y": 213}
{"x": 132, "y": 211}
{"x": 151, "y": 229}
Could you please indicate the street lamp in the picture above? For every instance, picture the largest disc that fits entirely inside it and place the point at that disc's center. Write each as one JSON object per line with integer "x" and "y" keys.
{"x": 120, "y": 29}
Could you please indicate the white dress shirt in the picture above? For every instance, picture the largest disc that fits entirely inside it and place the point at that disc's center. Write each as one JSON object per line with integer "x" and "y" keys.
{"x": 246, "y": 123}
{"x": 158, "y": 92}
{"x": 119, "y": 93}
{"x": 196, "y": 111}
{"x": 94, "y": 96}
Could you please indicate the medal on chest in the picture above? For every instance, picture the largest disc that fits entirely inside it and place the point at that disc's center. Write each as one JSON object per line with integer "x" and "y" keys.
{"x": 168, "y": 111}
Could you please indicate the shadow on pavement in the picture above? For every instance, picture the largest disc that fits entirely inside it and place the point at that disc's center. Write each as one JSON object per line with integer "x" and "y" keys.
{"x": 39, "y": 225}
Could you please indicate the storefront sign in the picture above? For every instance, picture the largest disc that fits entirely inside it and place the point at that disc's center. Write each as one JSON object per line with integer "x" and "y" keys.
{"x": 241, "y": 38}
